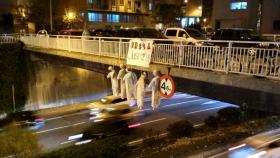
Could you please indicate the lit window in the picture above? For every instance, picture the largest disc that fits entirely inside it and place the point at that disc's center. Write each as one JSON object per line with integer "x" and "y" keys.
{"x": 126, "y": 18}
{"x": 238, "y": 5}
{"x": 93, "y": 17}
{"x": 150, "y": 6}
{"x": 113, "y": 18}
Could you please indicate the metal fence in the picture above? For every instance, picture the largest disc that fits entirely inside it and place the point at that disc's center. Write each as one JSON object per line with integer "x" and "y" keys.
{"x": 229, "y": 58}
{"x": 9, "y": 38}
{"x": 272, "y": 37}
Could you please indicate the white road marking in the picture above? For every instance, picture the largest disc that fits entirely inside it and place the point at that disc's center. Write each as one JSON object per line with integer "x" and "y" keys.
{"x": 67, "y": 142}
{"x": 152, "y": 121}
{"x": 191, "y": 101}
{"x": 210, "y": 102}
{"x": 63, "y": 116}
{"x": 219, "y": 107}
{"x": 54, "y": 129}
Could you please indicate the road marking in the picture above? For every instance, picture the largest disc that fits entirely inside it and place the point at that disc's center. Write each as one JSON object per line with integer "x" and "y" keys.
{"x": 210, "y": 102}
{"x": 54, "y": 129}
{"x": 152, "y": 121}
{"x": 63, "y": 116}
{"x": 67, "y": 142}
{"x": 219, "y": 107}
{"x": 191, "y": 101}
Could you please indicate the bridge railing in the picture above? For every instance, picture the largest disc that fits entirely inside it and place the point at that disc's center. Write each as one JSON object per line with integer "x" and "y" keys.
{"x": 272, "y": 37}
{"x": 231, "y": 57}
{"x": 9, "y": 38}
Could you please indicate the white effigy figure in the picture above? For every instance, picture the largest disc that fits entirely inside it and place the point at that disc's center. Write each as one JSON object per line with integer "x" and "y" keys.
{"x": 130, "y": 80}
{"x": 140, "y": 90}
{"x": 154, "y": 86}
{"x": 114, "y": 81}
{"x": 120, "y": 77}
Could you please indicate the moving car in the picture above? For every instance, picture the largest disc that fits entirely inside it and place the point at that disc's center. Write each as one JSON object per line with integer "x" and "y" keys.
{"x": 111, "y": 105}
{"x": 266, "y": 145}
{"x": 26, "y": 119}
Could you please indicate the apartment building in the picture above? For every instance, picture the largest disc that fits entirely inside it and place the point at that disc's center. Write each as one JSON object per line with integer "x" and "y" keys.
{"x": 261, "y": 15}
{"x": 119, "y": 13}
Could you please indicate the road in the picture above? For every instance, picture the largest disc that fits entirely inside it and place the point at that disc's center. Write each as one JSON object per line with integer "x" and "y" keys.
{"x": 57, "y": 130}
{"x": 253, "y": 146}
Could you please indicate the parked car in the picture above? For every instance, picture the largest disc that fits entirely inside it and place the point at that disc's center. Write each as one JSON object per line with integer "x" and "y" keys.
{"x": 240, "y": 34}
{"x": 42, "y": 33}
{"x": 186, "y": 35}
{"x": 143, "y": 33}
{"x": 103, "y": 33}
{"x": 71, "y": 32}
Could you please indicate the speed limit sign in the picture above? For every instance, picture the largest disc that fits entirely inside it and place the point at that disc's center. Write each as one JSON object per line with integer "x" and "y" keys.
{"x": 167, "y": 87}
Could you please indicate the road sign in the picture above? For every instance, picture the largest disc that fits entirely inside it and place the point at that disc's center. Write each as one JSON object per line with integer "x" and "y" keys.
{"x": 167, "y": 87}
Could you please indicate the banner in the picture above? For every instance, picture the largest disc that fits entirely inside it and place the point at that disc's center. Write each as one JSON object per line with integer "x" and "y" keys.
{"x": 140, "y": 52}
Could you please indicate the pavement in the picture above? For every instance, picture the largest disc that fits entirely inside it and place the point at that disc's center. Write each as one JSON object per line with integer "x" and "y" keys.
{"x": 58, "y": 128}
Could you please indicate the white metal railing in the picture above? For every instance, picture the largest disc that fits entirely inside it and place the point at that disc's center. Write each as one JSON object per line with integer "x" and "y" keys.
{"x": 9, "y": 38}
{"x": 228, "y": 57}
{"x": 272, "y": 37}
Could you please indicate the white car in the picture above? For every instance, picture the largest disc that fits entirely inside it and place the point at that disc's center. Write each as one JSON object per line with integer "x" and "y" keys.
{"x": 186, "y": 35}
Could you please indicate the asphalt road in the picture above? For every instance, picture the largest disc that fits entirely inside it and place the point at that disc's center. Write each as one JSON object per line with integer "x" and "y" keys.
{"x": 253, "y": 147}
{"x": 57, "y": 130}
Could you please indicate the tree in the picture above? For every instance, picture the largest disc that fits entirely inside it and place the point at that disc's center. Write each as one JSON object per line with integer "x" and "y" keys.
{"x": 168, "y": 14}
{"x": 40, "y": 13}
{"x": 19, "y": 142}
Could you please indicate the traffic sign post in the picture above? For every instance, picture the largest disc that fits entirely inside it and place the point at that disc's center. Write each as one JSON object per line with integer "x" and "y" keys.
{"x": 167, "y": 86}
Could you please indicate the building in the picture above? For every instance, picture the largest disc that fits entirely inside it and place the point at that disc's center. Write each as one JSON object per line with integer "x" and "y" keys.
{"x": 119, "y": 13}
{"x": 192, "y": 10}
{"x": 261, "y": 15}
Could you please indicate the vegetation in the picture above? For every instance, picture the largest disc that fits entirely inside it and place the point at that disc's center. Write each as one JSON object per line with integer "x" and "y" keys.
{"x": 167, "y": 14}
{"x": 180, "y": 129}
{"x": 229, "y": 126}
{"x": 13, "y": 73}
{"x": 107, "y": 148}
{"x": 19, "y": 143}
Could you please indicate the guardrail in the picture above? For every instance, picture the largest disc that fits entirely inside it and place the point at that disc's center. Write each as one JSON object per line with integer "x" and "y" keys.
{"x": 272, "y": 37}
{"x": 9, "y": 38}
{"x": 229, "y": 57}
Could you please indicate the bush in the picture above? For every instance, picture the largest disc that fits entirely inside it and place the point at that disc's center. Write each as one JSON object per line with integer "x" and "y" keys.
{"x": 211, "y": 121}
{"x": 18, "y": 142}
{"x": 230, "y": 115}
{"x": 180, "y": 129}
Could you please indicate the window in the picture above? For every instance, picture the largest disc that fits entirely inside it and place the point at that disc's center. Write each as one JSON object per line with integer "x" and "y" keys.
{"x": 238, "y": 5}
{"x": 129, "y": 4}
{"x": 90, "y": 3}
{"x": 93, "y": 17}
{"x": 171, "y": 33}
{"x": 121, "y": 2}
{"x": 113, "y": 3}
{"x": 181, "y": 34}
{"x": 150, "y": 6}
{"x": 126, "y": 18}
{"x": 113, "y": 18}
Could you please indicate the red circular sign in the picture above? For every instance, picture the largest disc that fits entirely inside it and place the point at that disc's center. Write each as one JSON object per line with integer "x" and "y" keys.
{"x": 166, "y": 86}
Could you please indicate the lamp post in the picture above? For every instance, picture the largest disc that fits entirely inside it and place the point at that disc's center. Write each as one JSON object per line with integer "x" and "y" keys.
{"x": 51, "y": 17}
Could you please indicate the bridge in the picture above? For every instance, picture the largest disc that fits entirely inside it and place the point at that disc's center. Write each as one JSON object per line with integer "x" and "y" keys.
{"x": 240, "y": 75}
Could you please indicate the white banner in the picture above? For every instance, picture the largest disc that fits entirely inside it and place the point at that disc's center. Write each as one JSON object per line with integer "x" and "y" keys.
{"x": 140, "y": 52}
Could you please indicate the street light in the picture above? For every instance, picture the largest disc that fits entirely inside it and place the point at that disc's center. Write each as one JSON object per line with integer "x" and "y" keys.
{"x": 69, "y": 18}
